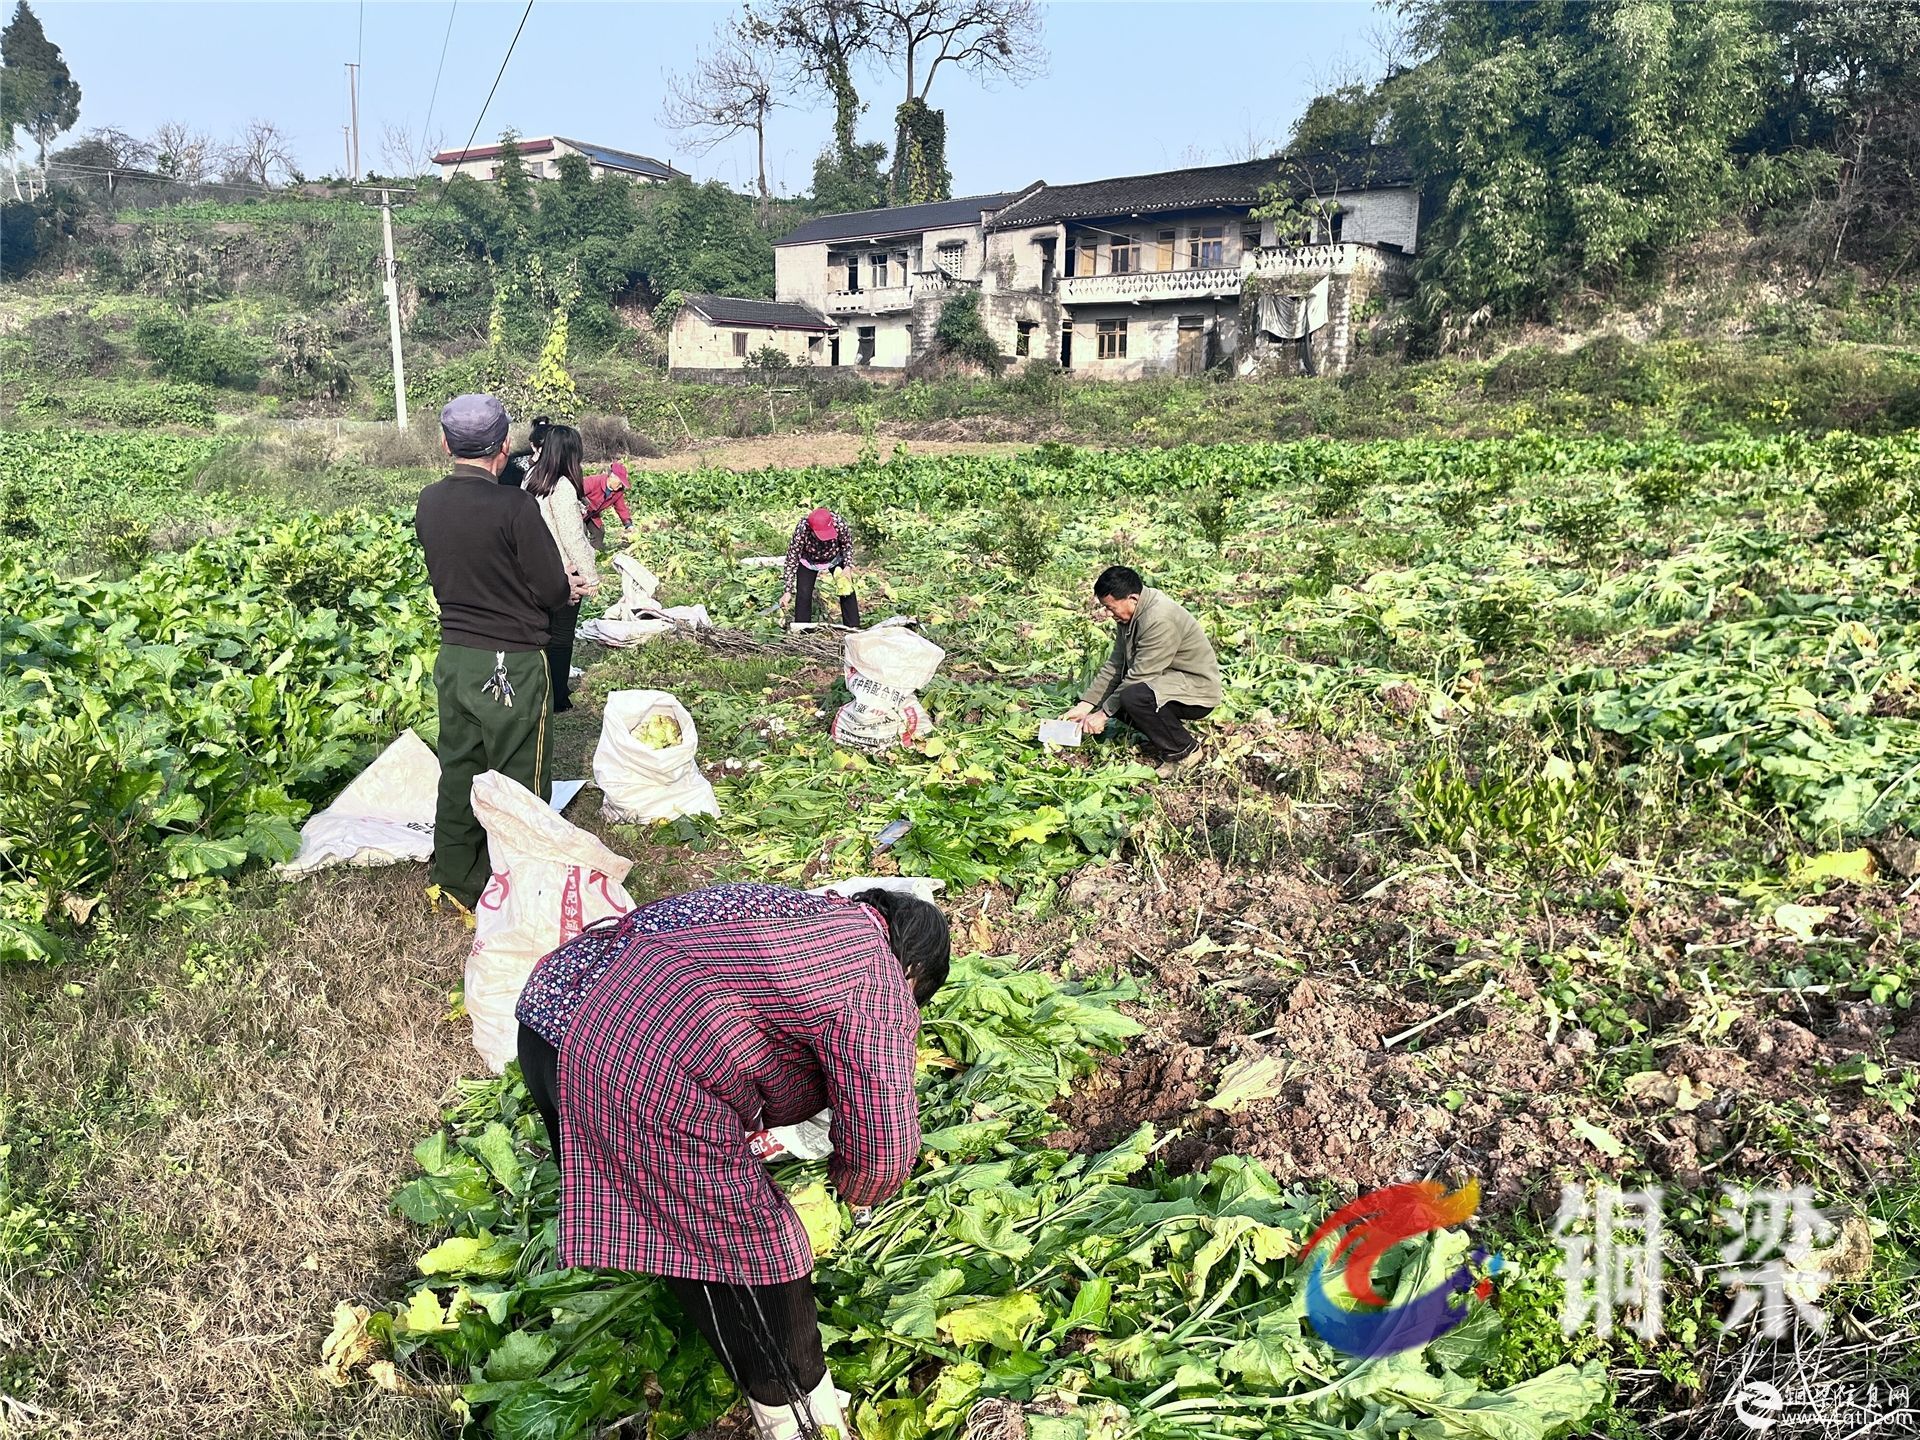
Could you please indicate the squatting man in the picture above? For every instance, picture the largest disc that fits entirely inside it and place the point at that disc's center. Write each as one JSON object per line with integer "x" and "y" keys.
{"x": 1161, "y": 673}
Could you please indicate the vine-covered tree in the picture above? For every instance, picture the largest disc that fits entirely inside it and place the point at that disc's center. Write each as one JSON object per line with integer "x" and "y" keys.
{"x": 821, "y": 40}
{"x": 38, "y": 93}
{"x": 992, "y": 39}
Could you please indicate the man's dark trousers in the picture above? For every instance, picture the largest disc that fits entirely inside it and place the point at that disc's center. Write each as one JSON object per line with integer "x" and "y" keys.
{"x": 1160, "y": 725}
{"x": 478, "y": 733}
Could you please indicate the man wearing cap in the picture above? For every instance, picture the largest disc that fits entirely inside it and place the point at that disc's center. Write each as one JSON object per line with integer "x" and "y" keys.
{"x": 496, "y": 573}
{"x": 821, "y": 544}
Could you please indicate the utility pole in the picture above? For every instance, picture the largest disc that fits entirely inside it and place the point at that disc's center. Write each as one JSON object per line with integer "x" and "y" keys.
{"x": 393, "y": 316}
{"x": 346, "y": 139}
{"x": 353, "y": 113}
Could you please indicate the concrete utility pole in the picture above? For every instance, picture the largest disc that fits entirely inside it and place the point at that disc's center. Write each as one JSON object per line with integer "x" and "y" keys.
{"x": 353, "y": 113}
{"x": 393, "y": 316}
{"x": 346, "y": 139}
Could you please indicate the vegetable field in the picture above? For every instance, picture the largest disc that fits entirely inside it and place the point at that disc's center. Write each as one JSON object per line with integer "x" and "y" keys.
{"x": 1561, "y": 826}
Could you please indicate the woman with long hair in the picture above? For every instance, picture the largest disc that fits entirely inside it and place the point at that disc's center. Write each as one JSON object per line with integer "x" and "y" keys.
{"x": 558, "y": 482}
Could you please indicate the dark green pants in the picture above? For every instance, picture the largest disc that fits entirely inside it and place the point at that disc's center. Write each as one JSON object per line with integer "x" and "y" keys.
{"x": 478, "y": 733}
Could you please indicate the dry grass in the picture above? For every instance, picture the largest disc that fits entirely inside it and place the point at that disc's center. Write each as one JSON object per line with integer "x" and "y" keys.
{"x": 222, "y": 1113}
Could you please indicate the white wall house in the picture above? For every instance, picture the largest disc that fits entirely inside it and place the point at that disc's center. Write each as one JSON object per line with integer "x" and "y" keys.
{"x": 719, "y": 333}
{"x": 541, "y": 156}
{"x": 1165, "y": 273}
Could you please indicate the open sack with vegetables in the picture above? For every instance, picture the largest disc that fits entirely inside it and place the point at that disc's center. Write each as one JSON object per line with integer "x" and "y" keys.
{"x": 1012, "y": 1288}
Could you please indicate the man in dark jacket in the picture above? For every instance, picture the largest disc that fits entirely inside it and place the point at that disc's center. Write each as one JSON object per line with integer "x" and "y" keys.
{"x": 496, "y": 573}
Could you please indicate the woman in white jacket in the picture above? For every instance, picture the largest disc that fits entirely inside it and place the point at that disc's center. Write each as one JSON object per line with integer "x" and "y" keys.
{"x": 559, "y": 484}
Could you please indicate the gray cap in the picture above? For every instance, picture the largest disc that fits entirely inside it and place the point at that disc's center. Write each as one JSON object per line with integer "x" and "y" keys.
{"x": 475, "y": 426}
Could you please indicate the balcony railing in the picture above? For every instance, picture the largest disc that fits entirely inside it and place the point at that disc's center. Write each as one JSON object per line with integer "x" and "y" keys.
{"x": 1341, "y": 258}
{"x": 1150, "y": 285}
{"x": 870, "y": 302}
{"x": 939, "y": 282}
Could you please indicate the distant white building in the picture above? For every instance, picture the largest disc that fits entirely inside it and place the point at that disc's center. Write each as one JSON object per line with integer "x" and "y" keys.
{"x": 541, "y": 157}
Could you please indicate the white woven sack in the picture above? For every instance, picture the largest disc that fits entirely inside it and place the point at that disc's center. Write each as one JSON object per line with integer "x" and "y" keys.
{"x": 384, "y": 817}
{"x": 550, "y": 881}
{"x": 887, "y": 666}
{"x": 640, "y": 784}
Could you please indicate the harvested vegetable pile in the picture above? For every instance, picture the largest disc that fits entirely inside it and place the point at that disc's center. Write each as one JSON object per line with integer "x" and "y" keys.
{"x": 1103, "y": 1297}
{"x": 659, "y": 732}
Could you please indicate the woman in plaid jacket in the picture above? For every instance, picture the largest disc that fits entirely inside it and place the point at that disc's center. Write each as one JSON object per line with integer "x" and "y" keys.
{"x": 655, "y": 1045}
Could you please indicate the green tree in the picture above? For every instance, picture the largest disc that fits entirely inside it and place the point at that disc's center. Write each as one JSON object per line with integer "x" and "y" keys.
{"x": 37, "y": 92}
{"x": 1566, "y": 143}
{"x": 856, "y": 181}
{"x": 1348, "y": 117}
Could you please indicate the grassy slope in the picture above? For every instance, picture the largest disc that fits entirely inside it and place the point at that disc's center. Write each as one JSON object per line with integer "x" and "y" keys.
{"x": 205, "y": 1117}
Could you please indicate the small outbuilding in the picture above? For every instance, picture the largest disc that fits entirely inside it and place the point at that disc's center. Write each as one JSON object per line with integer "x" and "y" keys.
{"x": 712, "y": 333}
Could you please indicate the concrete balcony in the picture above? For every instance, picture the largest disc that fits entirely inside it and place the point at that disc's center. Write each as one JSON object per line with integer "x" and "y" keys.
{"x": 939, "y": 282}
{"x": 1340, "y": 258}
{"x": 883, "y": 301}
{"x": 1144, "y": 285}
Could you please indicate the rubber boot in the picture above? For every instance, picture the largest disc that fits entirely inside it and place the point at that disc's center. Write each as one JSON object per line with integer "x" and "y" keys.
{"x": 826, "y": 1406}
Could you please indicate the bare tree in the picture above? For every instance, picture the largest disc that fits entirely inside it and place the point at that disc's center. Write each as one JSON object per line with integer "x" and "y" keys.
{"x": 1253, "y": 142}
{"x": 120, "y": 150}
{"x": 258, "y": 154}
{"x": 401, "y": 154}
{"x": 730, "y": 91}
{"x": 182, "y": 153}
{"x": 995, "y": 38}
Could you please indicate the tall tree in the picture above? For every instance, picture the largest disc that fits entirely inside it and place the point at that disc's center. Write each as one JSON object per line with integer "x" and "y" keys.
{"x": 1566, "y": 143}
{"x": 732, "y": 88}
{"x": 822, "y": 39}
{"x": 37, "y": 92}
{"x": 996, "y": 39}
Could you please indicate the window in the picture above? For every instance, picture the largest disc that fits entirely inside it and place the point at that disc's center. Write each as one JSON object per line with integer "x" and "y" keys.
{"x": 1089, "y": 255}
{"x": 1124, "y": 257}
{"x": 740, "y": 342}
{"x": 1023, "y": 337}
{"x": 1206, "y": 247}
{"x": 853, "y": 274}
{"x": 1163, "y": 245}
{"x": 951, "y": 257}
{"x": 878, "y": 266}
{"x": 863, "y": 349}
{"x": 1112, "y": 339}
{"x": 1250, "y": 238}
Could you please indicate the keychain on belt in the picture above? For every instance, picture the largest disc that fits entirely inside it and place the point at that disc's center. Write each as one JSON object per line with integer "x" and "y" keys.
{"x": 497, "y": 686}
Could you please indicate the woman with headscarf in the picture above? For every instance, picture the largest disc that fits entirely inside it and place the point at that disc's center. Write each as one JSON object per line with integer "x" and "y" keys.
{"x": 822, "y": 544}
{"x": 556, "y": 482}
{"x": 656, "y": 1045}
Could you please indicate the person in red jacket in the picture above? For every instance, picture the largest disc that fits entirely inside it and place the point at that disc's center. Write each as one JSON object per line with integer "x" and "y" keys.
{"x": 607, "y": 492}
{"x": 656, "y": 1045}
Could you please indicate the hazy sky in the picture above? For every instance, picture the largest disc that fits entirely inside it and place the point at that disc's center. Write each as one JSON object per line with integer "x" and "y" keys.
{"x": 1130, "y": 87}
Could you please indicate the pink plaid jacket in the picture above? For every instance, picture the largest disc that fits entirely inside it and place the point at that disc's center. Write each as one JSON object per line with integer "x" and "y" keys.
{"x": 693, "y": 1038}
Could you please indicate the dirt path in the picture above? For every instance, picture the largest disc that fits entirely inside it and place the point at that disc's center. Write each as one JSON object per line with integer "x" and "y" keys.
{"x": 799, "y": 450}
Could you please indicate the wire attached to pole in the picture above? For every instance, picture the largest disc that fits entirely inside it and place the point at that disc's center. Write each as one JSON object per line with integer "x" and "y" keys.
{"x": 496, "y": 80}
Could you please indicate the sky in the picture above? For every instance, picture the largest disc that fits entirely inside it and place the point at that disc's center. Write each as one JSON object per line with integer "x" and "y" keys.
{"x": 1129, "y": 87}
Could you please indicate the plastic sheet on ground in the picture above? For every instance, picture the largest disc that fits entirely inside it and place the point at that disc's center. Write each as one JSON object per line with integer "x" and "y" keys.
{"x": 638, "y": 615}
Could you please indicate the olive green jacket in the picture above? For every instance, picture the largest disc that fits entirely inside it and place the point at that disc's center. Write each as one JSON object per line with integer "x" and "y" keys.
{"x": 1164, "y": 648}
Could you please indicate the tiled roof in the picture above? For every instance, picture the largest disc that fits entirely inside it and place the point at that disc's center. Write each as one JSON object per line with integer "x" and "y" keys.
{"x": 1204, "y": 188}
{"x": 765, "y": 314}
{"x": 623, "y": 160}
{"x": 896, "y": 220}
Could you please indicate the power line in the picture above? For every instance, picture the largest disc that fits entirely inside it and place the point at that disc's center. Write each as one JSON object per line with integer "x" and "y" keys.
{"x": 426, "y": 131}
{"x": 496, "y": 80}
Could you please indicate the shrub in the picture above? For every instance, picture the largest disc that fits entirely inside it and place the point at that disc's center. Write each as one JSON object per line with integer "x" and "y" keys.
{"x": 609, "y": 437}
{"x": 962, "y": 334}
{"x": 193, "y": 351}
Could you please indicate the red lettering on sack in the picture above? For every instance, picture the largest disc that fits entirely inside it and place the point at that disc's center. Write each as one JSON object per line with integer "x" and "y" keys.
{"x": 571, "y": 909}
